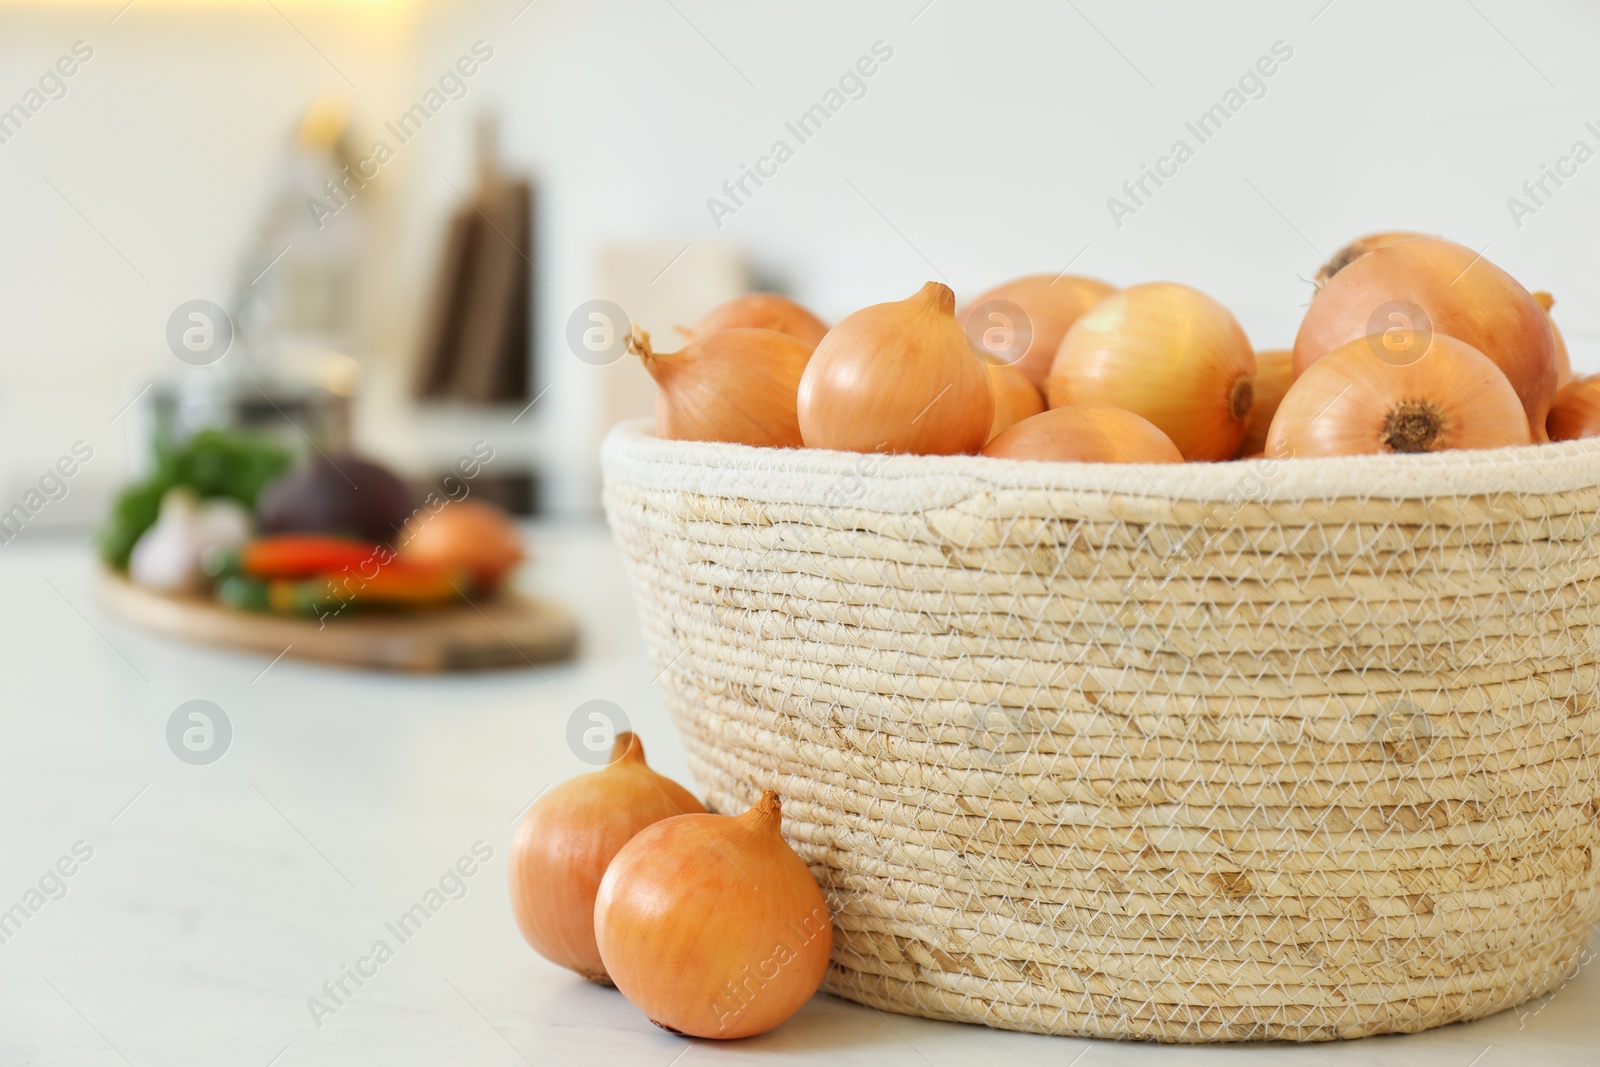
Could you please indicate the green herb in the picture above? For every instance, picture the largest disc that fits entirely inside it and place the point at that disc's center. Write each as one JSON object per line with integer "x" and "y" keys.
{"x": 214, "y": 463}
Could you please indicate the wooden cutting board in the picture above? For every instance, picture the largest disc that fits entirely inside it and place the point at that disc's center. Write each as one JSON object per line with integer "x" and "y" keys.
{"x": 508, "y": 631}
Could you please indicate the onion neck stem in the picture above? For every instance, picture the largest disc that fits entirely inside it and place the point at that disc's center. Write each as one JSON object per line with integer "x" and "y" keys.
{"x": 627, "y": 747}
{"x": 639, "y": 343}
{"x": 767, "y": 813}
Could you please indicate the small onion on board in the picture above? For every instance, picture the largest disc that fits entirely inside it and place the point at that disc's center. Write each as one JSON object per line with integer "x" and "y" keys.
{"x": 567, "y": 839}
{"x": 1352, "y": 402}
{"x": 736, "y": 385}
{"x": 897, "y": 377}
{"x": 1051, "y": 302}
{"x": 1085, "y": 435}
{"x": 1576, "y": 412}
{"x": 1015, "y": 397}
{"x": 712, "y": 925}
{"x": 764, "y": 311}
{"x": 471, "y": 534}
{"x": 1168, "y": 353}
{"x": 1274, "y": 375}
{"x": 1426, "y": 284}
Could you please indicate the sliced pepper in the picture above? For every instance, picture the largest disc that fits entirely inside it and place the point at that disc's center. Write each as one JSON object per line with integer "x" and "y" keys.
{"x": 305, "y": 556}
{"x": 396, "y": 584}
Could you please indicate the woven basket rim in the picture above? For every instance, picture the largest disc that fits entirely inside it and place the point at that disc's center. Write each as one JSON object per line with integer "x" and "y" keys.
{"x": 632, "y": 453}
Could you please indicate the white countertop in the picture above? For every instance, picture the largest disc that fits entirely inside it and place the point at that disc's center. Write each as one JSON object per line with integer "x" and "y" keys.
{"x": 219, "y": 898}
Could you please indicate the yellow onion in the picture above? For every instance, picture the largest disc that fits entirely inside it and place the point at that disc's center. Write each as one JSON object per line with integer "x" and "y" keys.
{"x": 1355, "y": 402}
{"x": 470, "y": 534}
{"x": 1085, "y": 435}
{"x": 1576, "y": 411}
{"x": 1274, "y": 375}
{"x": 1360, "y": 247}
{"x": 1563, "y": 359}
{"x": 568, "y": 838}
{"x": 1169, "y": 354}
{"x": 764, "y": 311}
{"x": 1427, "y": 284}
{"x": 897, "y": 377}
{"x": 1051, "y": 304}
{"x": 712, "y": 926}
{"x": 736, "y": 385}
{"x": 1015, "y": 398}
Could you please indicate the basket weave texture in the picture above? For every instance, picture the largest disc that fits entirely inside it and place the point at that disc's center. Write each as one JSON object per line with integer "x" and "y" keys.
{"x": 1301, "y": 750}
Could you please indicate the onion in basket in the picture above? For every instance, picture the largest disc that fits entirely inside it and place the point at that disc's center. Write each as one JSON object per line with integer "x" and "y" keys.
{"x": 1085, "y": 435}
{"x": 764, "y": 311}
{"x": 1563, "y": 359}
{"x": 736, "y": 385}
{"x": 898, "y": 377}
{"x": 1168, "y": 353}
{"x": 567, "y": 839}
{"x": 1427, "y": 284}
{"x": 1352, "y": 402}
{"x": 1274, "y": 375}
{"x": 1051, "y": 302}
{"x": 1015, "y": 397}
{"x": 712, "y": 926}
{"x": 1576, "y": 412}
{"x": 1360, "y": 247}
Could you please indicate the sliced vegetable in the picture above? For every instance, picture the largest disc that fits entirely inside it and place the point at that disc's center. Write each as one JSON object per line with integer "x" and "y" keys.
{"x": 304, "y": 555}
{"x": 396, "y": 584}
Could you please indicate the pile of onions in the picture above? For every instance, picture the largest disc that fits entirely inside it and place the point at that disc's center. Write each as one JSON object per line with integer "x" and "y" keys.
{"x": 1426, "y": 284}
{"x": 709, "y": 924}
{"x": 712, "y": 925}
{"x": 1168, "y": 353}
{"x": 567, "y": 840}
{"x": 1070, "y": 369}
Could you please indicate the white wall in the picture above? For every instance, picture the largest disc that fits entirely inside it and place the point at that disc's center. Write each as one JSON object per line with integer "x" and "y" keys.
{"x": 987, "y": 146}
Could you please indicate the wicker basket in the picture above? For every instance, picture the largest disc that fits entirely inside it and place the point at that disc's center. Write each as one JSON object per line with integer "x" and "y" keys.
{"x": 1265, "y": 750}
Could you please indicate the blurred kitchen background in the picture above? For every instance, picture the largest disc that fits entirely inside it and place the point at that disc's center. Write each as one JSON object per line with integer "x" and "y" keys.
{"x": 178, "y": 158}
